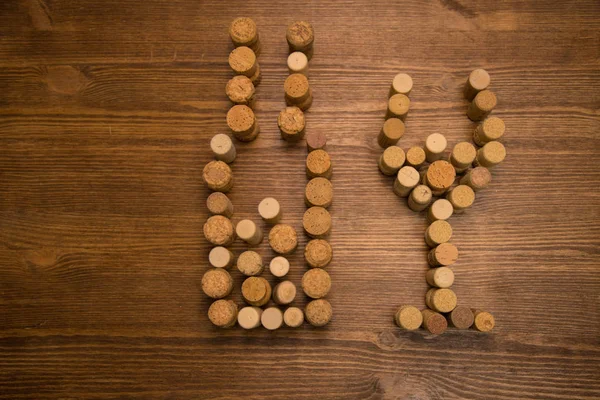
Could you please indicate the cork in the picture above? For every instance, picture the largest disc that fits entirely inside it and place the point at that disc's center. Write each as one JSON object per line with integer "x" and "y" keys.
{"x": 291, "y": 124}
{"x": 223, "y": 148}
{"x": 250, "y": 263}
{"x": 490, "y": 155}
{"x": 249, "y": 232}
{"x": 296, "y": 89}
{"x": 435, "y": 145}
{"x": 279, "y": 266}
{"x": 315, "y": 141}
{"x": 461, "y": 197}
{"x": 391, "y": 160}
{"x": 270, "y": 210}
{"x": 223, "y": 313}
{"x": 478, "y": 80}
{"x": 219, "y": 204}
{"x": 256, "y": 291}
{"x": 297, "y": 63}
{"x": 283, "y": 239}
{"x": 249, "y": 317}
{"x": 477, "y": 178}
{"x": 293, "y": 317}
{"x": 442, "y": 277}
{"x": 217, "y": 283}
{"x": 272, "y": 318}
{"x": 316, "y": 283}
{"x": 303, "y": 105}
{"x": 391, "y": 132}
{"x": 218, "y": 176}
{"x": 318, "y": 192}
{"x": 284, "y": 293}
{"x": 440, "y": 176}
{"x": 218, "y": 230}
{"x": 482, "y": 105}
{"x": 243, "y": 32}
{"x": 220, "y": 257}
{"x": 462, "y": 156}
{"x": 318, "y": 312}
{"x": 441, "y": 300}
{"x": 419, "y": 198}
{"x": 398, "y": 106}
{"x": 408, "y": 317}
{"x": 240, "y": 90}
{"x": 401, "y": 84}
{"x": 415, "y": 157}
{"x": 443, "y": 255}
{"x": 242, "y": 61}
{"x": 434, "y": 322}
{"x": 257, "y": 77}
{"x": 437, "y": 233}
{"x": 316, "y": 222}
{"x": 300, "y": 36}
{"x": 440, "y": 209}
{"x": 489, "y": 130}
{"x": 484, "y": 321}
{"x": 461, "y": 317}
{"x": 318, "y": 164}
{"x": 405, "y": 181}
{"x": 242, "y": 123}
{"x": 318, "y": 253}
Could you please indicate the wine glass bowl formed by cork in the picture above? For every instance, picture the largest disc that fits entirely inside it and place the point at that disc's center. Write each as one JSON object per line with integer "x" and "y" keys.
{"x": 461, "y": 197}
{"x": 462, "y": 156}
{"x": 477, "y": 178}
{"x": 435, "y": 145}
{"x": 318, "y": 312}
{"x": 283, "y": 239}
{"x": 406, "y": 179}
{"x": 391, "y": 160}
{"x": 440, "y": 176}
{"x": 419, "y": 198}
{"x": 415, "y": 157}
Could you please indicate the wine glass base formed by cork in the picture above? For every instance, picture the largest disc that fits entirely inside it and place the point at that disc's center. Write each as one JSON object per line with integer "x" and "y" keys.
{"x": 279, "y": 266}
{"x": 284, "y": 293}
{"x": 318, "y": 312}
{"x": 391, "y": 132}
{"x": 283, "y": 239}
{"x": 297, "y": 63}
{"x": 409, "y": 318}
{"x": 490, "y": 129}
{"x": 443, "y": 255}
{"x": 250, "y": 263}
{"x": 440, "y": 209}
{"x": 477, "y": 178}
{"x": 272, "y": 318}
{"x": 484, "y": 321}
{"x": 316, "y": 283}
{"x": 256, "y": 291}
{"x": 249, "y": 317}
{"x": 291, "y": 124}
{"x": 217, "y": 283}
{"x": 269, "y": 210}
{"x": 218, "y": 176}
{"x": 391, "y": 160}
{"x": 318, "y": 164}
{"x": 441, "y": 277}
{"x": 434, "y": 322}
{"x": 316, "y": 222}
{"x": 398, "y": 106}
{"x": 219, "y": 204}
{"x": 315, "y": 141}
{"x": 218, "y": 230}
{"x": 435, "y": 145}
{"x": 483, "y": 104}
{"x": 249, "y": 232}
{"x": 461, "y": 317}
{"x": 461, "y": 197}
{"x": 490, "y": 155}
{"x": 223, "y": 313}
{"x": 318, "y": 253}
{"x": 223, "y": 148}
{"x": 293, "y": 317}
{"x": 437, "y": 233}
{"x": 463, "y": 155}
{"x": 318, "y": 192}
{"x": 415, "y": 157}
{"x": 241, "y": 90}
{"x": 220, "y": 257}
{"x": 406, "y": 179}
{"x": 441, "y": 300}
{"x": 478, "y": 80}
{"x": 440, "y": 176}
{"x": 402, "y": 83}
{"x": 419, "y": 198}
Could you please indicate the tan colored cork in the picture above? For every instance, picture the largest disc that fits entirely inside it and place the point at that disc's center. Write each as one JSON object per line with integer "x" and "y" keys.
{"x": 283, "y": 239}
{"x": 391, "y": 160}
{"x": 269, "y": 210}
{"x": 318, "y": 253}
{"x": 478, "y": 80}
{"x": 461, "y": 317}
{"x": 315, "y": 141}
{"x": 303, "y": 105}
{"x": 284, "y": 293}
{"x": 219, "y": 204}
{"x": 442, "y": 277}
{"x": 401, "y": 84}
{"x": 272, "y": 318}
{"x": 461, "y": 197}
{"x": 316, "y": 283}
{"x": 240, "y": 90}
{"x": 462, "y": 156}
{"x": 220, "y": 257}
{"x": 392, "y": 130}
{"x": 296, "y": 89}
{"x": 297, "y": 63}
{"x": 484, "y": 321}
{"x": 477, "y": 178}
{"x": 217, "y": 283}
{"x": 249, "y": 317}
{"x": 318, "y": 192}
{"x": 490, "y": 155}
{"x": 300, "y": 36}
{"x": 256, "y": 291}
{"x": 223, "y": 313}
{"x": 218, "y": 176}
{"x": 482, "y": 105}
{"x": 437, "y": 233}
{"x": 398, "y": 106}
{"x": 434, "y": 322}
{"x": 316, "y": 222}
{"x": 243, "y": 32}
{"x": 293, "y": 317}
{"x": 279, "y": 266}
{"x": 441, "y": 300}
{"x": 318, "y": 312}
{"x": 408, "y": 317}
{"x": 435, "y": 145}
{"x": 415, "y": 157}
{"x": 242, "y": 123}
{"x": 291, "y": 124}
{"x": 250, "y": 263}
{"x": 443, "y": 255}
{"x": 257, "y": 77}
{"x": 440, "y": 176}
{"x": 223, "y": 148}
{"x": 489, "y": 130}
{"x": 218, "y": 230}
{"x": 419, "y": 198}
{"x": 405, "y": 181}
{"x": 249, "y": 232}
{"x": 318, "y": 164}
{"x": 440, "y": 209}
{"x": 242, "y": 61}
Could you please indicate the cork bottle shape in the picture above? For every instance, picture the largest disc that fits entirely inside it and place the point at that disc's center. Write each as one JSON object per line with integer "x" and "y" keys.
{"x": 250, "y": 263}
{"x": 409, "y": 318}
{"x": 316, "y": 222}
{"x": 478, "y": 80}
{"x": 223, "y": 313}
{"x": 482, "y": 105}
{"x": 477, "y": 178}
{"x": 440, "y": 209}
{"x": 223, "y": 148}
{"x": 315, "y": 141}
{"x": 398, "y": 106}
{"x": 242, "y": 61}
{"x": 243, "y": 32}
{"x": 242, "y": 123}
{"x": 293, "y": 317}
{"x": 441, "y": 300}
{"x": 218, "y": 176}
{"x": 461, "y": 197}
{"x": 489, "y": 130}
{"x": 279, "y": 266}
{"x": 291, "y": 124}
{"x": 270, "y": 210}
{"x": 249, "y": 317}
{"x": 316, "y": 283}
{"x": 441, "y": 277}
{"x": 483, "y": 321}
{"x": 297, "y": 91}
{"x": 401, "y": 84}
{"x": 297, "y": 63}
{"x": 461, "y": 317}
{"x": 272, "y": 318}
{"x": 318, "y": 312}
{"x": 462, "y": 156}
{"x": 220, "y": 257}
{"x": 217, "y": 283}
{"x": 256, "y": 291}
{"x": 241, "y": 90}
{"x": 318, "y": 164}
{"x": 405, "y": 181}
{"x": 318, "y": 192}
{"x": 218, "y": 230}
{"x": 443, "y": 255}
{"x": 419, "y": 198}
{"x": 440, "y": 176}
{"x": 284, "y": 293}
{"x": 391, "y": 160}
{"x": 249, "y": 232}
{"x": 415, "y": 157}
{"x": 435, "y": 145}
{"x": 434, "y": 322}
{"x": 318, "y": 253}
{"x": 437, "y": 233}
{"x": 490, "y": 155}
{"x": 283, "y": 239}
{"x": 301, "y": 37}
{"x": 391, "y": 132}
{"x": 219, "y": 204}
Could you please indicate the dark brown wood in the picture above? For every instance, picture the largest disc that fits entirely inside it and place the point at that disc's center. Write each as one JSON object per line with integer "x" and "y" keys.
{"x": 106, "y": 112}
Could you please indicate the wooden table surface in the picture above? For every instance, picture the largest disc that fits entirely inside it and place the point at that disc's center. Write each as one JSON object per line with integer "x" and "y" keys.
{"x": 106, "y": 112}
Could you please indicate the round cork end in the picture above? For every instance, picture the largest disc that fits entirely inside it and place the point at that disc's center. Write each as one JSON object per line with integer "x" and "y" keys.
{"x": 218, "y": 176}
{"x": 269, "y": 209}
{"x": 284, "y": 293}
{"x": 240, "y": 89}
{"x": 435, "y": 323}
{"x": 479, "y": 79}
{"x": 297, "y": 62}
{"x": 283, "y": 239}
{"x": 246, "y": 229}
{"x": 485, "y": 100}
{"x": 293, "y": 317}
{"x": 243, "y": 31}
{"x": 464, "y": 153}
{"x": 436, "y": 143}
{"x": 440, "y": 209}
{"x": 393, "y": 129}
{"x": 408, "y": 177}
{"x": 220, "y": 257}
{"x": 398, "y": 104}
{"x": 223, "y": 313}
{"x": 402, "y": 84}
{"x": 272, "y": 318}
{"x": 217, "y": 283}
{"x": 318, "y": 163}
{"x": 318, "y": 253}
{"x": 421, "y": 194}
{"x": 409, "y": 318}
{"x": 240, "y": 118}
{"x": 461, "y": 317}
{"x": 279, "y": 266}
{"x": 296, "y": 86}
{"x": 291, "y": 122}
{"x": 316, "y": 283}
{"x": 484, "y": 321}
{"x": 319, "y": 192}
{"x": 300, "y": 35}
{"x": 443, "y": 300}
{"x": 493, "y": 152}
{"x": 442, "y": 277}
{"x": 493, "y": 127}
{"x": 242, "y": 60}
{"x": 415, "y": 156}
{"x": 219, "y": 204}
{"x": 479, "y": 178}
{"x": 316, "y": 222}
{"x": 255, "y": 290}
{"x": 221, "y": 145}
{"x": 440, "y": 175}
{"x": 318, "y": 312}
{"x": 218, "y": 230}
{"x": 462, "y": 197}
{"x": 446, "y": 254}
{"x": 250, "y": 263}
{"x": 315, "y": 141}
{"x": 393, "y": 157}
{"x": 439, "y": 232}
{"x": 249, "y": 317}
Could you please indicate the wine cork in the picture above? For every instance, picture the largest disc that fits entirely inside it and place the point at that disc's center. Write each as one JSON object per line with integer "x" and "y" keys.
{"x": 318, "y": 312}
{"x": 296, "y": 88}
{"x": 272, "y": 318}
{"x": 293, "y": 317}
{"x": 243, "y": 32}
{"x": 318, "y": 192}
{"x": 443, "y": 255}
{"x": 490, "y": 155}
{"x": 391, "y": 132}
{"x": 297, "y": 63}
{"x": 477, "y": 178}
{"x": 223, "y": 148}
{"x": 398, "y": 106}
{"x": 478, "y": 80}
{"x": 220, "y": 257}
{"x": 217, "y": 283}
{"x": 441, "y": 300}
{"x": 242, "y": 61}
{"x": 223, "y": 313}
{"x": 291, "y": 124}
{"x": 270, "y": 210}
{"x": 318, "y": 253}
{"x": 419, "y": 198}
{"x": 461, "y": 317}
{"x": 435, "y": 145}
{"x": 316, "y": 283}
{"x": 279, "y": 266}
{"x": 242, "y": 123}
{"x": 462, "y": 156}
{"x": 283, "y": 239}
{"x": 249, "y": 232}
{"x": 249, "y": 317}
{"x": 315, "y": 141}
{"x": 415, "y": 157}
{"x": 484, "y": 321}
{"x": 241, "y": 90}
{"x": 250, "y": 263}
{"x": 300, "y": 36}
{"x": 219, "y": 204}
{"x": 434, "y": 322}
{"x": 489, "y": 130}
{"x": 482, "y": 105}
{"x": 461, "y": 197}
{"x": 437, "y": 233}
{"x": 256, "y": 291}
{"x": 408, "y": 317}
{"x": 440, "y": 176}
{"x": 405, "y": 181}
{"x": 316, "y": 222}
{"x": 218, "y": 176}
{"x": 391, "y": 160}
{"x": 401, "y": 84}
{"x": 318, "y": 164}
{"x": 218, "y": 230}
{"x": 442, "y": 277}
{"x": 257, "y": 77}
{"x": 440, "y": 209}
{"x": 284, "y": 293}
